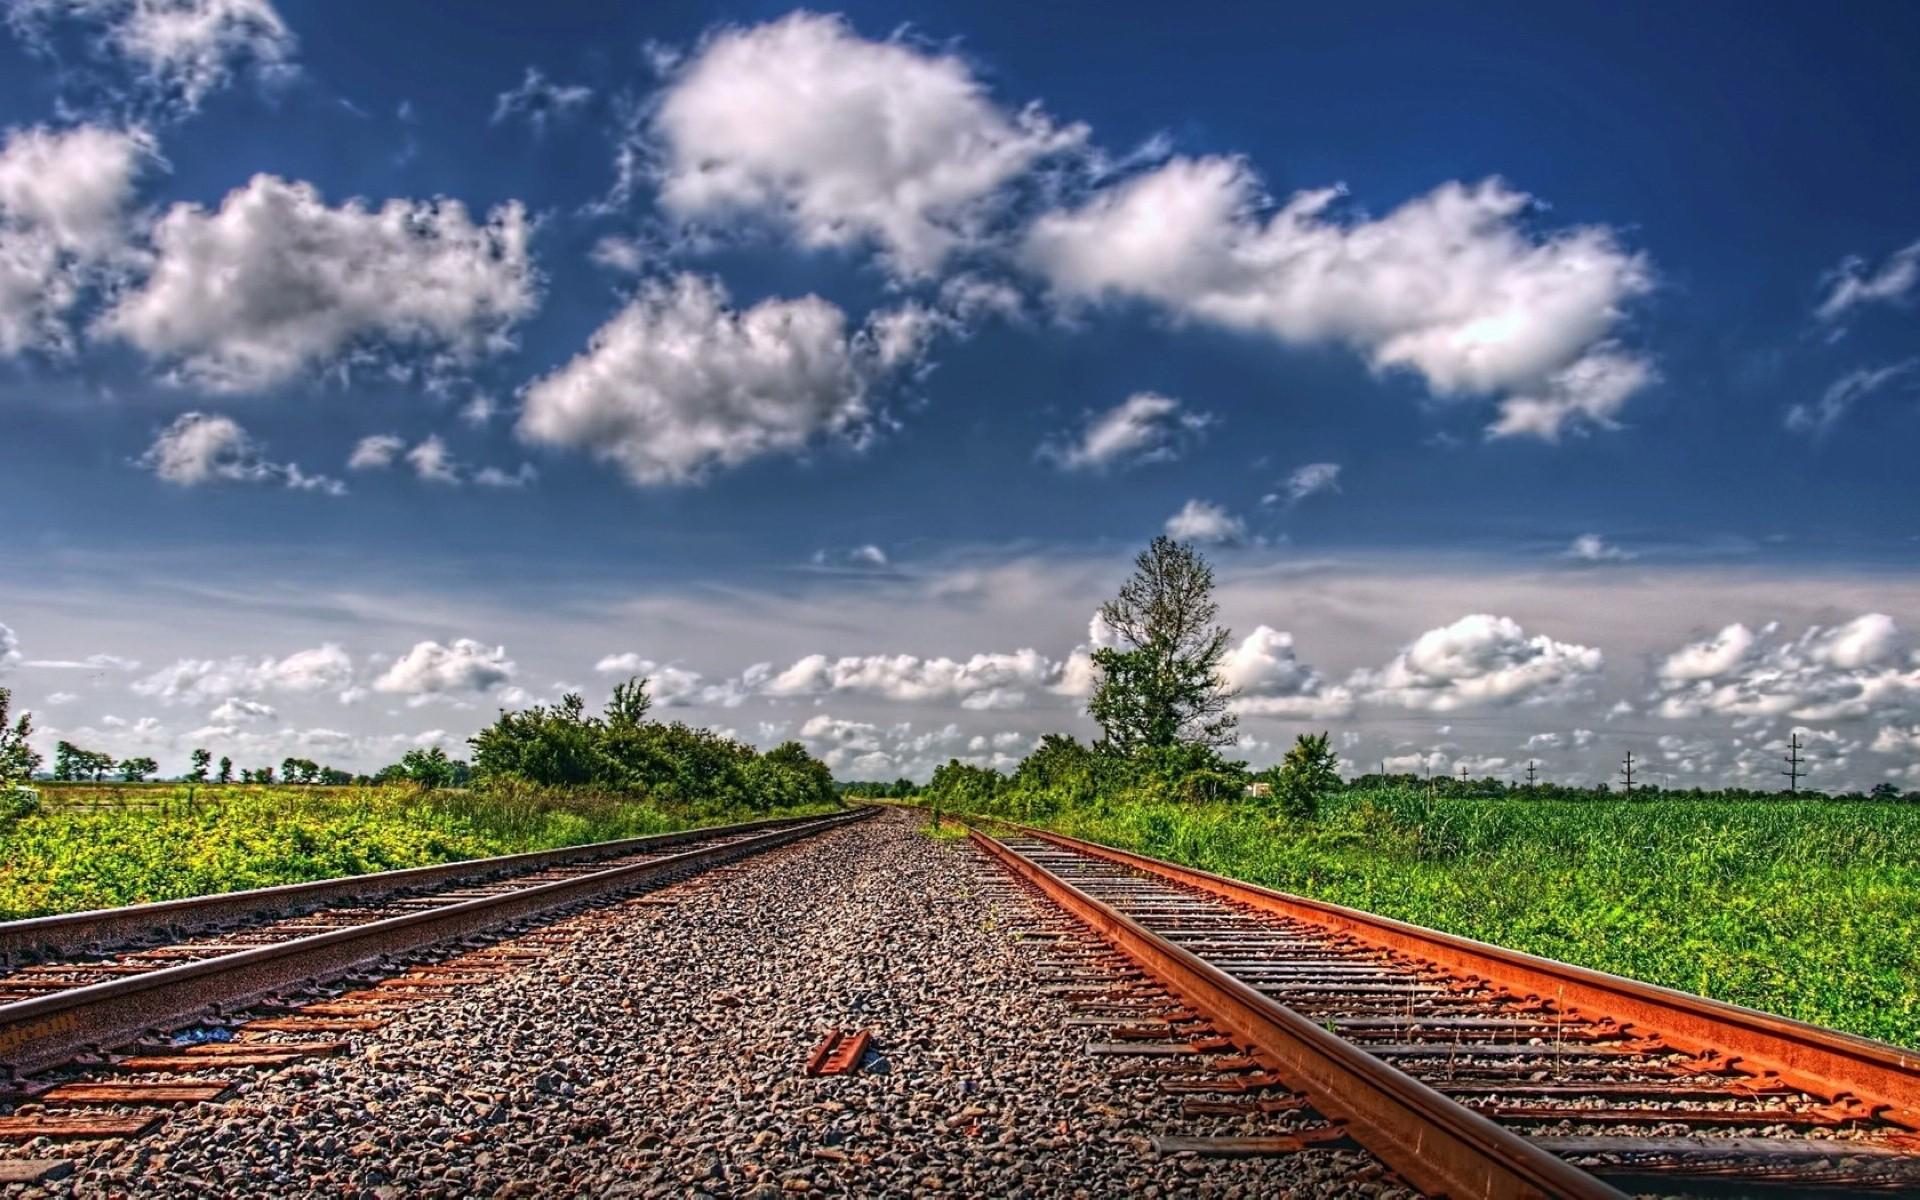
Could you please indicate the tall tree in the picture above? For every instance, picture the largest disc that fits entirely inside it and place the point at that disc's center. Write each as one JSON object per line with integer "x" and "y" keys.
{"x": 226, "y": 770}
{"x": 202, "y": 759}
{"x": 1161, "y": 686}
{"x": 18, "y": 760}
{"x": 136, "y": 770}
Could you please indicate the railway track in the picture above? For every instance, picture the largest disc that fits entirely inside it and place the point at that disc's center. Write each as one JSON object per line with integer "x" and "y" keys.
{"x": 103, "y": 979}
{"x": 1466, "y": 1068}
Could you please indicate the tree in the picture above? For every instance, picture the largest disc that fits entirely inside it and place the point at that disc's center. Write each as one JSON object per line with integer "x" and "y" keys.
{"x": 226, "y": 770}
{"x": 70, "y": 762}
{"x": 263, "y": 775}
{"x": 1161, "y": 686}
{"x": 630, "y": 703}
{"x": 18, "y": 760}
{"x": 1307, "y": 774}
{"x": 201, "y": 760}
{"x": 429, "y": 768}
{"x": 136, "y": 770}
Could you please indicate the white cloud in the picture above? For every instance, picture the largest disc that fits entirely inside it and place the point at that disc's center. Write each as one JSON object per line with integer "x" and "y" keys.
{"x": 1592, "y": 548}
{"x": 1862, "y": 668}
{"x": 841, "y": 139}
{"x": 433, "y": 462}
{"x": 1271, "y": 680}
{"x": 672, "y": 686}
{"x": 276, "y": 282}
{"x": 203, "y": 448}
{"x": 1200, "y": 521}
{"x": 237, "y": 710}
{"x": 1845, "y": 392}
{"x": 1306, "y": 480}
{"x": 1479, "y": 659}
{"x": 189, "y": 680}
{"x": 983, "y": 681}
{"x": 1709, "y": 657}
{"x": 92, "y": 662}
{"x": 1452, "y": 285}
{"x": 375, "y": 453}
{"x": 677, "y": 384}
{"x": 619, "y": 254}
{"x": 1852, "y": 283}
{"x": 494, "y": 477}
{"x": 1894, "y": 740}
{"x": 9, "y": 648}
{"x": 1145, "y": 427}
{"x": 539, "y": 101}
{"x": 63, "y": 202}
{"x": 184, "y": 48}
{"x": 431, "y": 668}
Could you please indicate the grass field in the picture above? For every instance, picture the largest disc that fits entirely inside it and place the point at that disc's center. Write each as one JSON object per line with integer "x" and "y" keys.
{"x": 97, "y": 847}
{"x": 1808, "y": 909}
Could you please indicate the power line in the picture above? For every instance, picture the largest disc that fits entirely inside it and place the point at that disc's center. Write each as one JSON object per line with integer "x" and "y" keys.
{"x": 1793, "y": 760}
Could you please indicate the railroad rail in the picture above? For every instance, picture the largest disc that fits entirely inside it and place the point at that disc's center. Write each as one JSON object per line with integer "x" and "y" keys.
{"x": 1469, "y": 1069}
{"x": 105, "y": 996}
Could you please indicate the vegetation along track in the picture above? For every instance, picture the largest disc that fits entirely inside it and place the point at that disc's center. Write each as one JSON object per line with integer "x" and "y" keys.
{"x": 109, "y": 977}
{"x": 1468, "y": 1068}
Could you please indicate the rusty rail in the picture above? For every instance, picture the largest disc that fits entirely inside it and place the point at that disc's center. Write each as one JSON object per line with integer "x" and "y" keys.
{"x": 1821, "y": 1061}
{"x": 66, "y": 933}
{"x": 49, "y": 1029}
{"x": 1435, "y": 1144}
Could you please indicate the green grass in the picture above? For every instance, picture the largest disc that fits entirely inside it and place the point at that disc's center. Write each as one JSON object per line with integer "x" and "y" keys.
{"x": 99, "y": 848}
{"x": 1808, "y": 909}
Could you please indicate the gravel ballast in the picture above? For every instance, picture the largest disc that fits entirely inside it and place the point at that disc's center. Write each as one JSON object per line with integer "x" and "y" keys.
{"x": 660, "y": 1053}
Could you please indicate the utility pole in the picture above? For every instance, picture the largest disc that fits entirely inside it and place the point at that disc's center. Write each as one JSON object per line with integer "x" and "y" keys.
{"x": 1531, "y": 775}
{"x": 1627, "y": 770}
{"x": 1793, "y": 761}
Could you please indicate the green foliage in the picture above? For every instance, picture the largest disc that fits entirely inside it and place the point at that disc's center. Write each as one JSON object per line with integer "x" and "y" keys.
{"x": 97, "y": 847}
{"x": 70, "y": 762}
{"x": 1160, "y": 687}
{"x": 202, "y": 759}
{"x": 560, "y": 746}
{"x": 1304, "y": 778}
{"x": 18, "y": 760}
{"x": 135, "y": 770}
{"x": 899, "y": 789}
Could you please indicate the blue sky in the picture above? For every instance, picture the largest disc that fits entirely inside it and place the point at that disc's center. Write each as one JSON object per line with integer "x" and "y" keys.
{"x": 1524, "y": 373}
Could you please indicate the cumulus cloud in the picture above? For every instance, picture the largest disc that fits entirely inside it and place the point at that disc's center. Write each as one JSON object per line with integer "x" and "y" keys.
{"x": 375, "y": 453}
{"x": 276, "y": 281}
{"x": 984, "y": 681}
{"x": 236, "y": 710}
{"x": 205, "y": 680}
{"x": 64, "y": 196}
{"x": 1271, "y": 681}
{"x": 1308, "y": 479}
{"x": 841, "y": 139}
{"x": 1854, "y": 282}
{"x": 1480, "y": 660}
{"x": 183, "y": 49}
{"x": 1845, "y": 392}
{"x": 203, "y": 448}
{"x": 1453, "y": 285}
{"x": 9, "y": 648}
{"x": 433, "y": 462}
{"x": 431, "y": 669}
{"x": 1145, "y": 427}
{"x": 1592, "y": 548}
{"x": 678, "y": 384}
{"x": 539, "y": 101}
{"x": 1861, "y": 668}
{"x": 672, "y": 686}
{"x": 1200, "y": 521}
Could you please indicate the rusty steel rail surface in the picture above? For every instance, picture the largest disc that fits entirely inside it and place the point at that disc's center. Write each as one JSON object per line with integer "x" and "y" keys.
{"x": 65, "y": 933}
{"x": 1437, "y": 1145}
{"x": 1824, "y": 1061}
{"x": 1398, "y": 1032}
{"x": 49, "y": 1029}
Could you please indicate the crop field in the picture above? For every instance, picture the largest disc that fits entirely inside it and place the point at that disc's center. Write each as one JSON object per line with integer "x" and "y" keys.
{"x": 100, "y": 846}
{"x": 1810, "y": 909}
